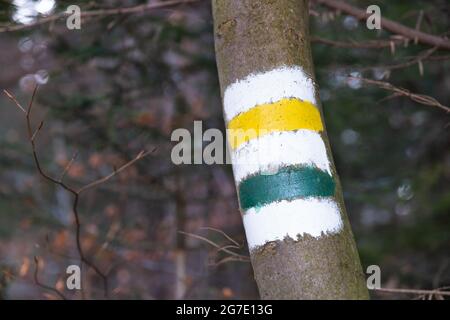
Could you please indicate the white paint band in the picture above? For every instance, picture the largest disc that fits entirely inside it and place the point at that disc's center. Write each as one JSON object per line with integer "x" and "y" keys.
{"x": 268, "y": 87}
{"x": 314, "y": 217}
{"x": 269, "y": 153}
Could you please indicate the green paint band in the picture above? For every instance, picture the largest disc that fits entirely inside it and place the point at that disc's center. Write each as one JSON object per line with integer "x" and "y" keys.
{"x": 287, "y": 184}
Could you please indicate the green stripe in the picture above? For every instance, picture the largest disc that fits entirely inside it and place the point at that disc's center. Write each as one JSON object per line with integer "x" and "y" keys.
{"x": 287, "y": 184}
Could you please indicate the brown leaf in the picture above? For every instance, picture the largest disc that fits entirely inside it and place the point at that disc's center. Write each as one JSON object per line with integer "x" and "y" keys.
{"x": 145, "y": 119}
{"x": 227, "y": 292}
{"x": 60, "y": 240}
{"x": 96, "y": 160}
{"x": 76, "y": 170}
{"x": 24, "y": 267}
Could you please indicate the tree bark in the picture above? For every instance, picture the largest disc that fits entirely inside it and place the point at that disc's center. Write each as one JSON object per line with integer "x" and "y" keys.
{"x": 300, "y": 248}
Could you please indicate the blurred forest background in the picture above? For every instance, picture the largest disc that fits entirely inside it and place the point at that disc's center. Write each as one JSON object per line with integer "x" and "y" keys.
{"x": 124, "y": 82}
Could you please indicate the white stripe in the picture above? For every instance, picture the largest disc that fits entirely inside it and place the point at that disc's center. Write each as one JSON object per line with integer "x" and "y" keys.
{"x": 279, "y": 149}
{"x": 268, "y": 87}
{"x": 314, "y": 217}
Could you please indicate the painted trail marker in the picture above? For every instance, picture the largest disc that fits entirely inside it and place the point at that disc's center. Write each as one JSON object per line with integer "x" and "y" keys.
{"x": 285, "y": 184}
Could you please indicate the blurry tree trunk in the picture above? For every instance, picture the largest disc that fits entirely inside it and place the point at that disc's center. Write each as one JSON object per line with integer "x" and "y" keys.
{"x": 254, "y": 40}
{"x": 63, "y": 207}
{"x": 180, "y": 251}
{"x": 180, "y": 271}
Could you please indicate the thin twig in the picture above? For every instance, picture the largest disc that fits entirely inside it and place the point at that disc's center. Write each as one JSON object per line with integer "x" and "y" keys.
{"x": 230, "y": 246}
{"x": 44, "y": 286}
{"x": 414, "y": 291}
{"x": 225, "y": 260}
{"x": 372, "y": 44}
{"x": 423, "y": 57}
{"x": 212, "y": 243}
{"x": 222, "y": 233}
{"x": 97, "y": 13}
{"x": 141, "y": 155}
{"x": 37, "y": 130}
{"x": 16, "y": 103}
{"x": 419, "y": 98}
{"x": 67, "y": 167}
{"x": 76, "y": 194}
{"x": 390, "y": 25}
{"x": 426, "y": 55}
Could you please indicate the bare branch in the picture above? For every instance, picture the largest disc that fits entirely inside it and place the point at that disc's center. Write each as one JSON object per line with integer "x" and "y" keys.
{"x": 230, "y": 246}
{"x": 419, "y": 98}
{"x": 141, "y": 155}
{"x": 390, "y": 25}
{"x": 212, "y": 243}
{"x": 74, "y": 193}
{"x": 225, "y": 260}
{"x": 222, "y": 233}
{"x": 44, "y": 286}
{"x": 372, "y": 44}
{"x": 67, "y": 167}
{"x": 98, "y": 13}
{"x": 414, "y": 291}
{"x": 426, "y": 55}
{"x": 37, "y": 130}
{"x": 10, "y": 96}
{"x": 30, "y": 104}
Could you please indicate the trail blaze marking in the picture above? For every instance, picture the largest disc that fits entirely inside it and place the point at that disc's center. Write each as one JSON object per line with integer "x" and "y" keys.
{"x": 282, "y": 170}
{"x": 283, "y": 115}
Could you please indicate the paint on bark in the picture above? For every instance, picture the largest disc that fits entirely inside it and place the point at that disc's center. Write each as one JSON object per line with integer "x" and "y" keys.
{"x": 283, "y": 115}
{"x": 289, "y": 183}
{"x": 307, "y": 251}
{"x": 301, "y": 147}
{"x": 294, "y": 219}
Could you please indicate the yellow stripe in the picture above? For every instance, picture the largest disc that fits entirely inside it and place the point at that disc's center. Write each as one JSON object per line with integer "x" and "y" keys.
{"x": 283, "y": 115}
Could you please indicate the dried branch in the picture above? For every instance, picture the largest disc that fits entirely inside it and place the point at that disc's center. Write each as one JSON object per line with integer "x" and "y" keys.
{"x": 237, "y": 256}
{"x": 222, "y": 233}
{"x": 419, "y": 98}
{"x": 225, "y": 260}
{"x": 67, "y": 167}
{"x": 230, "y": 246}
{"x": 98, "y": 13}
{"x": 141, "y": 155}
{"x": 75, "y": 193}
{"x": 425, "y": 55}
{"x": 439, "y": 58}
{"x": 44, "y": 286}
{"x": 420, "y": 59}
{"x": 13, "y": 99}
{"x": 372, "y": 44}
{"x": 414, "y": 291}
{"x": 390, "y": 25}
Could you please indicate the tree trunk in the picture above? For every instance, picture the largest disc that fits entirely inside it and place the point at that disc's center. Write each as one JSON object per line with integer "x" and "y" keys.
{"x": 300, "y": 240}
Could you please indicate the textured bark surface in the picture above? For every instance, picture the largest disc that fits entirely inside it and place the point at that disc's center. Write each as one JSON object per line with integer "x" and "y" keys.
{"x": 256, "y": 36}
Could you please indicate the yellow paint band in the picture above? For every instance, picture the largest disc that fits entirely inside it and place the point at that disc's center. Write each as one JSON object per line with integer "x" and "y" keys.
{"x": 283, "y": 115}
